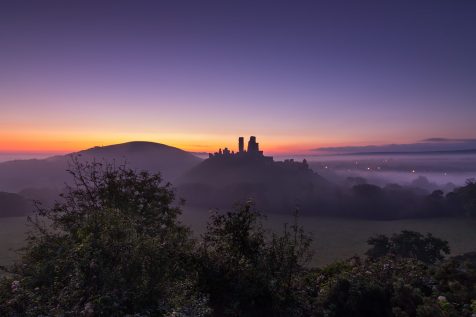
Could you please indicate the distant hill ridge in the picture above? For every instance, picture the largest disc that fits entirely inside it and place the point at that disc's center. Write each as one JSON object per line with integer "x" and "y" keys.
{"x": 132, "y": 147}
{"x": 18, "y": 175}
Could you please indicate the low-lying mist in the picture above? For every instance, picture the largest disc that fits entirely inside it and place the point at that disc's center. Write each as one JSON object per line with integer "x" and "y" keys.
{"x": 426, "y": 171}
{"x": 384, "y": 186}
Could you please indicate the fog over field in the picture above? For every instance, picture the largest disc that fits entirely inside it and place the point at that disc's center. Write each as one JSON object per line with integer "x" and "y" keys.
{"x": 439, "y": 169}
{"x": 444, "y": 171}
{"x": 431, "y": 171}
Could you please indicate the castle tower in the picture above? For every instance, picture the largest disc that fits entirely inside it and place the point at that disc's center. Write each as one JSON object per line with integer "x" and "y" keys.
{"x": 253, "y": 147}
{"x": 241, "y": 144}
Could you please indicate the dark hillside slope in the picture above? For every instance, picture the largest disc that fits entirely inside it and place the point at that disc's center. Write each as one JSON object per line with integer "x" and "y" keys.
{"x": 274, "y": 186}
{"x": 50, "y": 173}
{"x": 14, "y": 205}
{"x": 170, "y": 161}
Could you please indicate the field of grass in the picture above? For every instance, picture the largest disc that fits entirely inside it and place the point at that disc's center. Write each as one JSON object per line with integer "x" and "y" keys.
{"x": 12, "y": 237}
{"x": 334, "y": 238}
{"x": 338, "y": 238}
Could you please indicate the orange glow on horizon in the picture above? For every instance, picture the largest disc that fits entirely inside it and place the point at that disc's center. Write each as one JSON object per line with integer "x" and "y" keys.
{"x": 63, "y": 147}
{"x": 72, "y": 143}
{"x": 58, "y": 143}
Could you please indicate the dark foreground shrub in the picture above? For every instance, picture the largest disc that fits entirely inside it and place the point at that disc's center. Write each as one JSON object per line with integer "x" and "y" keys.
{"x": 247, "y": 273}
{"x": 113, "y": 246}
{"x": 409, "y": 244}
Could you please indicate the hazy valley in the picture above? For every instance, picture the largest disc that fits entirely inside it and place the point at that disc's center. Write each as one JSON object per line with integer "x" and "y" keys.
{"x": 207, "y": 184}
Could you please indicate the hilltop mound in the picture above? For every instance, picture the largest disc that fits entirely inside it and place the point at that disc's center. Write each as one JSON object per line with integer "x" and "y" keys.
{"x": 274, "y": 186}
{"x": 50, "y": 173}
{"x": 170, "y": 161}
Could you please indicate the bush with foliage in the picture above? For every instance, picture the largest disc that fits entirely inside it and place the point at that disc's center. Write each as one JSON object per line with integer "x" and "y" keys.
{"x": 396, "y": 285}
{"x": 248, "y": 273}
{"x": 409, "y": 244}
{"x": 112, "y": 246}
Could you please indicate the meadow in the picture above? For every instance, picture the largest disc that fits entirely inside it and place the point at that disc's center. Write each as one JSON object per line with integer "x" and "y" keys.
{"x": 333, "y": 238}
{"x": 341, "y": 238}
{"x": 12, "y": 237}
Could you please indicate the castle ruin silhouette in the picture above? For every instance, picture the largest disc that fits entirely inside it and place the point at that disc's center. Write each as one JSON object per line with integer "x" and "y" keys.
{"x": 252, "y": 151}
{"x": 253, "y": 154}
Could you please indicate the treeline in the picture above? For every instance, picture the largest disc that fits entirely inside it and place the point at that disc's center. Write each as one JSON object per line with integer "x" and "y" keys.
{"x": 114, "y": 247}
{"x": 396, "y": 202}
{"x": 316, "y": 197}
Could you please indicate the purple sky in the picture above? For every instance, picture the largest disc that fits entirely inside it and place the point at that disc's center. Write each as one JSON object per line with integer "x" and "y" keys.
{"x": 197, "y": 74}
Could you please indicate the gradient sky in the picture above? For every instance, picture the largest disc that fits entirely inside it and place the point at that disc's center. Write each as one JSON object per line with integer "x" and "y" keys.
{"x": 197, "y": 74}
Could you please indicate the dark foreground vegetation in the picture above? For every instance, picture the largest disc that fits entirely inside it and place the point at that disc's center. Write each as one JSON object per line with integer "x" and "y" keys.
{"x": 114, "y": 246}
